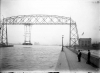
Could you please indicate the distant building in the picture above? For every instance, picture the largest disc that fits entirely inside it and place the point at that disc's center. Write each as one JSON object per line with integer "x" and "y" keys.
{"x": 96, "y": 45}
{"x": 86, "y": 42}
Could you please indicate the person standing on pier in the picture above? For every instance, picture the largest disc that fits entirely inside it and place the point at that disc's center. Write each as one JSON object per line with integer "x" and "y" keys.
{"x": 88, "y": 57}
{"x": 79, "y": 56}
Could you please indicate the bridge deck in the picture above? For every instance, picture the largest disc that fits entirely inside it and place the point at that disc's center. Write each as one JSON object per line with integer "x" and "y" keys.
{"x": 68, "y": 62}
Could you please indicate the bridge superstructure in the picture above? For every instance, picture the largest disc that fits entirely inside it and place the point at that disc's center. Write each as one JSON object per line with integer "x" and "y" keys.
{"x": 29, "y": 20}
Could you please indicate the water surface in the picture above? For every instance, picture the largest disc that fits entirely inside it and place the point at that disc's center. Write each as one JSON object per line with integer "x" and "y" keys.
{"x": 21, "y": 57}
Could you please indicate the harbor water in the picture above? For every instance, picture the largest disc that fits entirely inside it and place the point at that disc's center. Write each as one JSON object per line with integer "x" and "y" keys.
{"x": 22, "y": 57}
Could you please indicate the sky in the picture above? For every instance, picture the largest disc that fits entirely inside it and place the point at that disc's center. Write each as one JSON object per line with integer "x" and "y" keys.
{"x": 86, "y": 14}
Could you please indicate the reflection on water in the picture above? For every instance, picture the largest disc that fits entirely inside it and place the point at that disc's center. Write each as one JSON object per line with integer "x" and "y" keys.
{"x": 22, "y": 57}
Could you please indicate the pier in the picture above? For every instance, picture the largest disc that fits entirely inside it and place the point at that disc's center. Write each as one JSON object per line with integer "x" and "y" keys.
{"x": 68, "y": 61}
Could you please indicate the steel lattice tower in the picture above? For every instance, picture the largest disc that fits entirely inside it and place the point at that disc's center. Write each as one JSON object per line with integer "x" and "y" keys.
{"x": 74, "y": 38}
{"x": 4, "y": 37}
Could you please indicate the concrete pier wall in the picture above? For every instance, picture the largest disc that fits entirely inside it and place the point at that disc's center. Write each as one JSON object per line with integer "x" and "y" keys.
{"x": 95, "y": 60}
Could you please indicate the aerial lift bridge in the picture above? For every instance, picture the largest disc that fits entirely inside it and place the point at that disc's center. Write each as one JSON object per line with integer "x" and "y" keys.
{"x": 29, "y": 20}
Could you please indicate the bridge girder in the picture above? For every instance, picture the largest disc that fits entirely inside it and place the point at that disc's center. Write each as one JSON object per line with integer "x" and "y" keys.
{"x": 40, "y": 20}
{"x": 37, "y": 19}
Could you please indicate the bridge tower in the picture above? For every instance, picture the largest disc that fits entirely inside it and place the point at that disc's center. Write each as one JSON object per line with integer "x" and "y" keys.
{"x": 3, "y": 33}
{"x": 74, "y": 37}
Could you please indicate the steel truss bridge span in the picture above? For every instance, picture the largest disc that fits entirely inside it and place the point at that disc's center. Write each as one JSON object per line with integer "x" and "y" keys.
{"x": 29, "y": 20}
{"x": 37, "y": 19}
